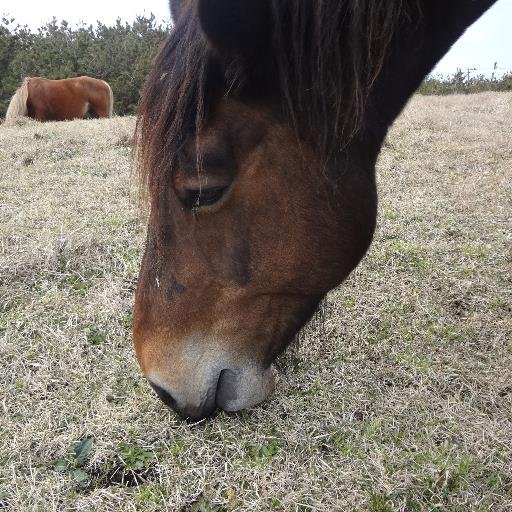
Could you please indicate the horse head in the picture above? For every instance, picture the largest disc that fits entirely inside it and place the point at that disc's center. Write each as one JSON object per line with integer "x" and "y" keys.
{"x": 258, "y": 132}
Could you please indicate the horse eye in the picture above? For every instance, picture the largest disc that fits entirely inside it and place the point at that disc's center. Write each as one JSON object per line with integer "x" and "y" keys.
{"x": 197, "y": 198}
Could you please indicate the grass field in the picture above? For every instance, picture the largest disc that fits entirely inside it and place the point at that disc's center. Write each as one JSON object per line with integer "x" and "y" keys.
{"x": 397, "y": 397}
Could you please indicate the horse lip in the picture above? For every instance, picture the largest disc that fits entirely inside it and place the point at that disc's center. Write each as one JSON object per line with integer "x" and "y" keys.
{"x": 195, "y": 416}
{"x": 190, "y": 413}
{"x": 165, "y": 396}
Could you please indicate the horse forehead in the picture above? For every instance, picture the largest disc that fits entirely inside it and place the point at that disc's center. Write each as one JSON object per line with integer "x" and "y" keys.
{"x": 232, "y": 114}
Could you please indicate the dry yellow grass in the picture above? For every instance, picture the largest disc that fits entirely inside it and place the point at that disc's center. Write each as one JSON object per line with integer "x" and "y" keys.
{"x": 398, "y": 396}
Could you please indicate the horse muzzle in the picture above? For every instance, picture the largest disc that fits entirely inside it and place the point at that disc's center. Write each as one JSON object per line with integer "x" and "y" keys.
{"x": 230, "y": 388}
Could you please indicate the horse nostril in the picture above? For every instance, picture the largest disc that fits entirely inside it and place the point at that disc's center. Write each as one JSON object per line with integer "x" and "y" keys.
{"x": 166, "y": 397}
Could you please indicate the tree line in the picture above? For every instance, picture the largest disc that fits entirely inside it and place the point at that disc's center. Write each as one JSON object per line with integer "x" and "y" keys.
{"x": 120, "y": 54}
{"x": 462, "y": 82}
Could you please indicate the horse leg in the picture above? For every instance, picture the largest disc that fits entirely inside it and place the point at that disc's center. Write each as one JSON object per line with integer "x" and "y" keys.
{"x": 37, "y": 111}
{"x": 89, "y": 111}
{"x": 100, "y": 110}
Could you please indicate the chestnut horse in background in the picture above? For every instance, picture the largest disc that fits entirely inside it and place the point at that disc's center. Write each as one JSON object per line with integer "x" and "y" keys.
{"x": 258, "y": 132}
{"x": 61, "y": 100}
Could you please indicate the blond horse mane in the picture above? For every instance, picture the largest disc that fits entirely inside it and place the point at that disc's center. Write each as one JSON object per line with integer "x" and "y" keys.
{"x": 18, "y": 104}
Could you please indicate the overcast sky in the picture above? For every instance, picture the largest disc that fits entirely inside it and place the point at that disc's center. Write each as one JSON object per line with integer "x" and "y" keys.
{"x": 488, "y": 41}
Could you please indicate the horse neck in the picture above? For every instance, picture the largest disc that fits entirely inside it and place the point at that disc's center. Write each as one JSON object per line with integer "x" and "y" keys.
{"x": 416, "y": 48}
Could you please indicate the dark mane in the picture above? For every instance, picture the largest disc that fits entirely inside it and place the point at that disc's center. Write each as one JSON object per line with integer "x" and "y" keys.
{"x": 324, "y": 58}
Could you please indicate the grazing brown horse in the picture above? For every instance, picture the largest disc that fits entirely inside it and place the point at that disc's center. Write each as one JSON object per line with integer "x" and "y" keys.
{"x": 61, "y": 100}
{"x": 258, "y": 132}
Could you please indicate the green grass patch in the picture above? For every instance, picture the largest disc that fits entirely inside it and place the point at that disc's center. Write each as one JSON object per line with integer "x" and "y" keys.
{"x": 263, "y": 452}
{"x": 72, "y": 464}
